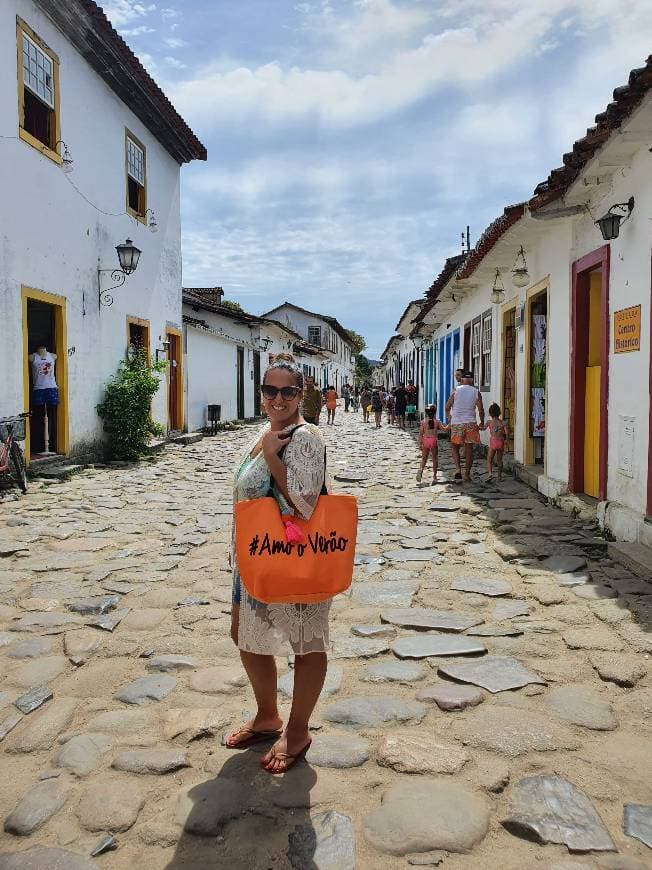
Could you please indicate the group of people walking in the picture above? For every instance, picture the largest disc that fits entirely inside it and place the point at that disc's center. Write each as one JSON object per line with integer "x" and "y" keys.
{"x": 400, "y": 403}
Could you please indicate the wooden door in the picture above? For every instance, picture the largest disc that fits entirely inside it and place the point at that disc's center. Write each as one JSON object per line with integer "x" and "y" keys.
{"x": 509, "y": 376}
{"x": 256, "y": 384}
{"x": 592, "y": 390}
{"x": 240, "y": 384}
{"x": 175, "y": 383}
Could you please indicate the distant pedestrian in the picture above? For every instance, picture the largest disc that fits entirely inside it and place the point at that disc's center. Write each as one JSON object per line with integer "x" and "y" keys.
{"x": 461, "y": 409}
{"x": 346, "y": 395}
{"x": 355, "y": 398}
{"x": 331, "y": 404}
{"x": 312, "y": 402}
{"x": 365, "y": 401}
{"x": 411, "y": 415}
{"x": 497, "y": 437}
{"x": 401, "y": 404}
{"x": 390, "y": 405}
{"x": 377, "y": 406}
{"x": 428, "y": 443}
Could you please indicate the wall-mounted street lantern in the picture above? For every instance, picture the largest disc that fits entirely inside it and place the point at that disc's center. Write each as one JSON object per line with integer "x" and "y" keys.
{"x": 128, "y": 257}
{"x": 609, "y": 223}
{"x": 420, "y": 341}
{"x": 66, "y": 158}
{"x": 264, "y": 343}
{"x": 151, "y": 223}
{"x": 498, "y": 289}
{"x": 520, "y": 274}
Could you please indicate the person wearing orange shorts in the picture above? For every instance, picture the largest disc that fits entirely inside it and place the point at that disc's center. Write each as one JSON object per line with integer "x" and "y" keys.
{"x": 461, "y": 408}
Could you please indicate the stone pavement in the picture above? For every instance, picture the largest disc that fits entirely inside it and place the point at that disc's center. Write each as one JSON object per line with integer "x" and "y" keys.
{"x": 488, "y": 703}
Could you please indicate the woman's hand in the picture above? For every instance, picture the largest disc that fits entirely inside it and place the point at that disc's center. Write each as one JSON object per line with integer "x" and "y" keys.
{"x": 273, "y": 442}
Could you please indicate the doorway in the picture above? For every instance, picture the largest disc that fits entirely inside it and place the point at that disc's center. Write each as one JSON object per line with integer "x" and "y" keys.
{"x": 240, "y": 385}
{"x": 590, "y": 375}
{"x": 256, "y": 383}
{"x": 537, "y": 370}
{"x": 509, "y": 376}
{"x": 44, "y": 325}
{"x": 175, "y": 380}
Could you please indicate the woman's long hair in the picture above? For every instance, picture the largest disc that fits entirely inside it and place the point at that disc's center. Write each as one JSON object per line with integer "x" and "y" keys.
{"x": 430, "y": 414}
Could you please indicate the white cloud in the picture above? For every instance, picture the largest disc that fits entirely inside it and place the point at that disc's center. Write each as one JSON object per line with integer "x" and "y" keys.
{"x": 141, "y": 30}
{"x": 174, "y": 62}
{"x": 121, "y": 12}
{"x": 175, "y": 42}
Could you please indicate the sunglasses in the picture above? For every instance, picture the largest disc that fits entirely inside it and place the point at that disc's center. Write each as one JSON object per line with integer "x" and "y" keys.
{"x": 287, "y": 393}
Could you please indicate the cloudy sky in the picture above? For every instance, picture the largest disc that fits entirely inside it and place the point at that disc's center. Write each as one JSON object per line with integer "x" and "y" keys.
{"x": 351, "y": 141}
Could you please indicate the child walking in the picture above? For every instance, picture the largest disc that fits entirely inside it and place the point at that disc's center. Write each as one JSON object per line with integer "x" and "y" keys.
{"x": 377, "y": 407}
{"x": 497, "y": 437}
{"x": 428, "y": 443}
{"x": 331, "y": 405}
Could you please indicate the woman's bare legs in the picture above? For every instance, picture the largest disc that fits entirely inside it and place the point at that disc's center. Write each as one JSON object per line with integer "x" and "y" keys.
{"x": 490, "y": 463}
{"x": 261, "y": 671}
{"x": 309, "y": 676}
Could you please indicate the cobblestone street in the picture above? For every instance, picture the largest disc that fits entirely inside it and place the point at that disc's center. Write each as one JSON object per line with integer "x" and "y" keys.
{"x": 488, "y": 702}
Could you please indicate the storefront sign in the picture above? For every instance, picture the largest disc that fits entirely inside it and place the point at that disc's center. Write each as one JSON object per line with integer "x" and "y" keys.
{"x": 627, "y": 329}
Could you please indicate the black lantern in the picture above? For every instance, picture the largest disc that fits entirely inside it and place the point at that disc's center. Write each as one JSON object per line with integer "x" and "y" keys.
{"x": 498, "y": 289}
{"x": 128, "y": 254}
{"x": 609, "y": 223}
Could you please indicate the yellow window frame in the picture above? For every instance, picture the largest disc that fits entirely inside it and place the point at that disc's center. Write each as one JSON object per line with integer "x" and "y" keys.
{"x": 142, "y": 217}
{"x": 22, "y": 28}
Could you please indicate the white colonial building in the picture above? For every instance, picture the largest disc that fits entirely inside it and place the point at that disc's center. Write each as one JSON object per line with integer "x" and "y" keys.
{"x": 91, "y": 157}
{"x": 328, "y": 338}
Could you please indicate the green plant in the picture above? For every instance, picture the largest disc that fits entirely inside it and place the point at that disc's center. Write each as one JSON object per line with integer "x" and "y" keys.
{"x": 125, "y": 407}
{"x": 156, "y": 429}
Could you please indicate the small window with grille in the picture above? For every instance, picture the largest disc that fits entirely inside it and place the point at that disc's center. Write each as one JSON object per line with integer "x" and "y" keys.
{"x": 136, "y": 163}
{"x": 314, "y": 335}
{"x": 475, "y": 353}
{"x": 486, "y": 350}
{"x": 38, "y": 97}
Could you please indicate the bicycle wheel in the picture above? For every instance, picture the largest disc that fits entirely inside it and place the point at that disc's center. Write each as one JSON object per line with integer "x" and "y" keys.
{"x": 20, "y": 469}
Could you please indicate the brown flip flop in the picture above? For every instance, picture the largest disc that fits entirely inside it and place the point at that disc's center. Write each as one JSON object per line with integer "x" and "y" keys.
{"x": 254, "y": 737}
{"x": 285, "y": 757}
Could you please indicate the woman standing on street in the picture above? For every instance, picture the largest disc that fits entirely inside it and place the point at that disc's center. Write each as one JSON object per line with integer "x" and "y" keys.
{"x": 290, "y": 456}
{"x": 331, "y": 404}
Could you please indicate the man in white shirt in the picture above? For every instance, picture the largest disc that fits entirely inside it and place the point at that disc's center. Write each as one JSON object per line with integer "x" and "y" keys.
{"x": 461, "y": 409}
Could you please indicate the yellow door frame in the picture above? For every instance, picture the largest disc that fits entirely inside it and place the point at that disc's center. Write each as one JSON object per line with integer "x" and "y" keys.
{"x": 139, "y": 321}
{"x": 537, "y": 289}
{"x": 170, "y": 330}
{"x": 505, "y": 309}
{"x": 61, "y": 339}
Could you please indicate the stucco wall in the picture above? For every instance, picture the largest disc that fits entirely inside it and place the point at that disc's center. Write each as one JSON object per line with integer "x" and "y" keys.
{"x": 51, "y": 237}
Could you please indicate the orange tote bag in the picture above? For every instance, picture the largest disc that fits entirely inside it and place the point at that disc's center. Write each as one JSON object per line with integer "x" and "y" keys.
{"x": 276, "y": 571}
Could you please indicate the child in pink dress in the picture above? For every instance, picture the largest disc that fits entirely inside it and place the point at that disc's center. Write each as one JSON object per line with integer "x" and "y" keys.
{"x": 428, "y": 444}
{"x": 497, "y": 437}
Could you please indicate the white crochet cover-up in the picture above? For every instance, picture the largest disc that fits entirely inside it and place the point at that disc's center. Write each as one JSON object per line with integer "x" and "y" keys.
{"x": 277, "y": 629}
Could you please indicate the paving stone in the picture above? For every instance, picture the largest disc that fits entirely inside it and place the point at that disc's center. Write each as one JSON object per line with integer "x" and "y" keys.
{"x": 449, "y": 696}
{"x": 110, "y": 806}
{"x": 456, "y": 821}
{"x": 156, "y": 761}
{"x": 373, "y": 631}
{"x": 8, "y": 724}
{"x": 82, "y": 753}
{"x": 492, "y": 774}
{"x": 572, "y": 578}
{"x": 146, "y": 619}
{"x": 109, "y": 621}
{"x": 581, "y": 706}
{"x": 147, "y": 689}
{"x": 416, "y": 752}
{"x": 423, "y": 617}
{"x": 482, "y": 586}
{"x": 38, "y": 672}
{"x": 385, "y": 594}
{"x": 594, "y": 592}
{"x": 637, "y": 822}
{"x": 218, "y": 680}
{"x": 34, "y": 699}
{"x": 553, "y": 810}
{"x": 496, "y": 631}
{"x": 192, "y": 724}
{"x": 510, "y": 609}
{"x": 332, "y": 683}
{"x": 547, "y": 595}
{"x": 622, "y": 669}
{"x": 338, "y": 751}
{"x": 32, "y": 648}
{"x": 563, "y": 564}
{"x": 79, "y": 646}
{"x": 95, "y": 605}
{"x": 205, "y": 807}
{"x": 45, "y": 623}
{"x": 326, "y": 843}
{"x": 40, "y": 730}
{"x": 34, "y": 809}
{"x": 45, "y": 858}
{"x": 422, "y": 646}
{"x": 494, "y": 673}
{"x": 426, "y": 859}
{"x": 353, "y": 647}
{"x": 415, "y": 555}
{"x": 393, "y": 672}
{"x": 123, "y": 722}
{"x": 166, "y": 663}
{"x": 365, "y": 711}
{"x": 513, "y": 732}
{"x": 593, "y": 638}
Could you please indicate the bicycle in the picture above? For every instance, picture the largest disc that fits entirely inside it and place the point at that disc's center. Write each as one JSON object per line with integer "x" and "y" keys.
{"x": 12, "y": 461}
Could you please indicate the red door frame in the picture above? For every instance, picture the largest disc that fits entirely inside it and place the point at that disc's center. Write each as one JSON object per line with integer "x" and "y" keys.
{"x": 649, "y": 431}
{"x": 579, "y": 350}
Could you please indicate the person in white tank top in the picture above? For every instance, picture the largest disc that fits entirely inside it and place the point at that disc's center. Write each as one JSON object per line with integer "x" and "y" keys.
{"x": 461, "y": 409}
